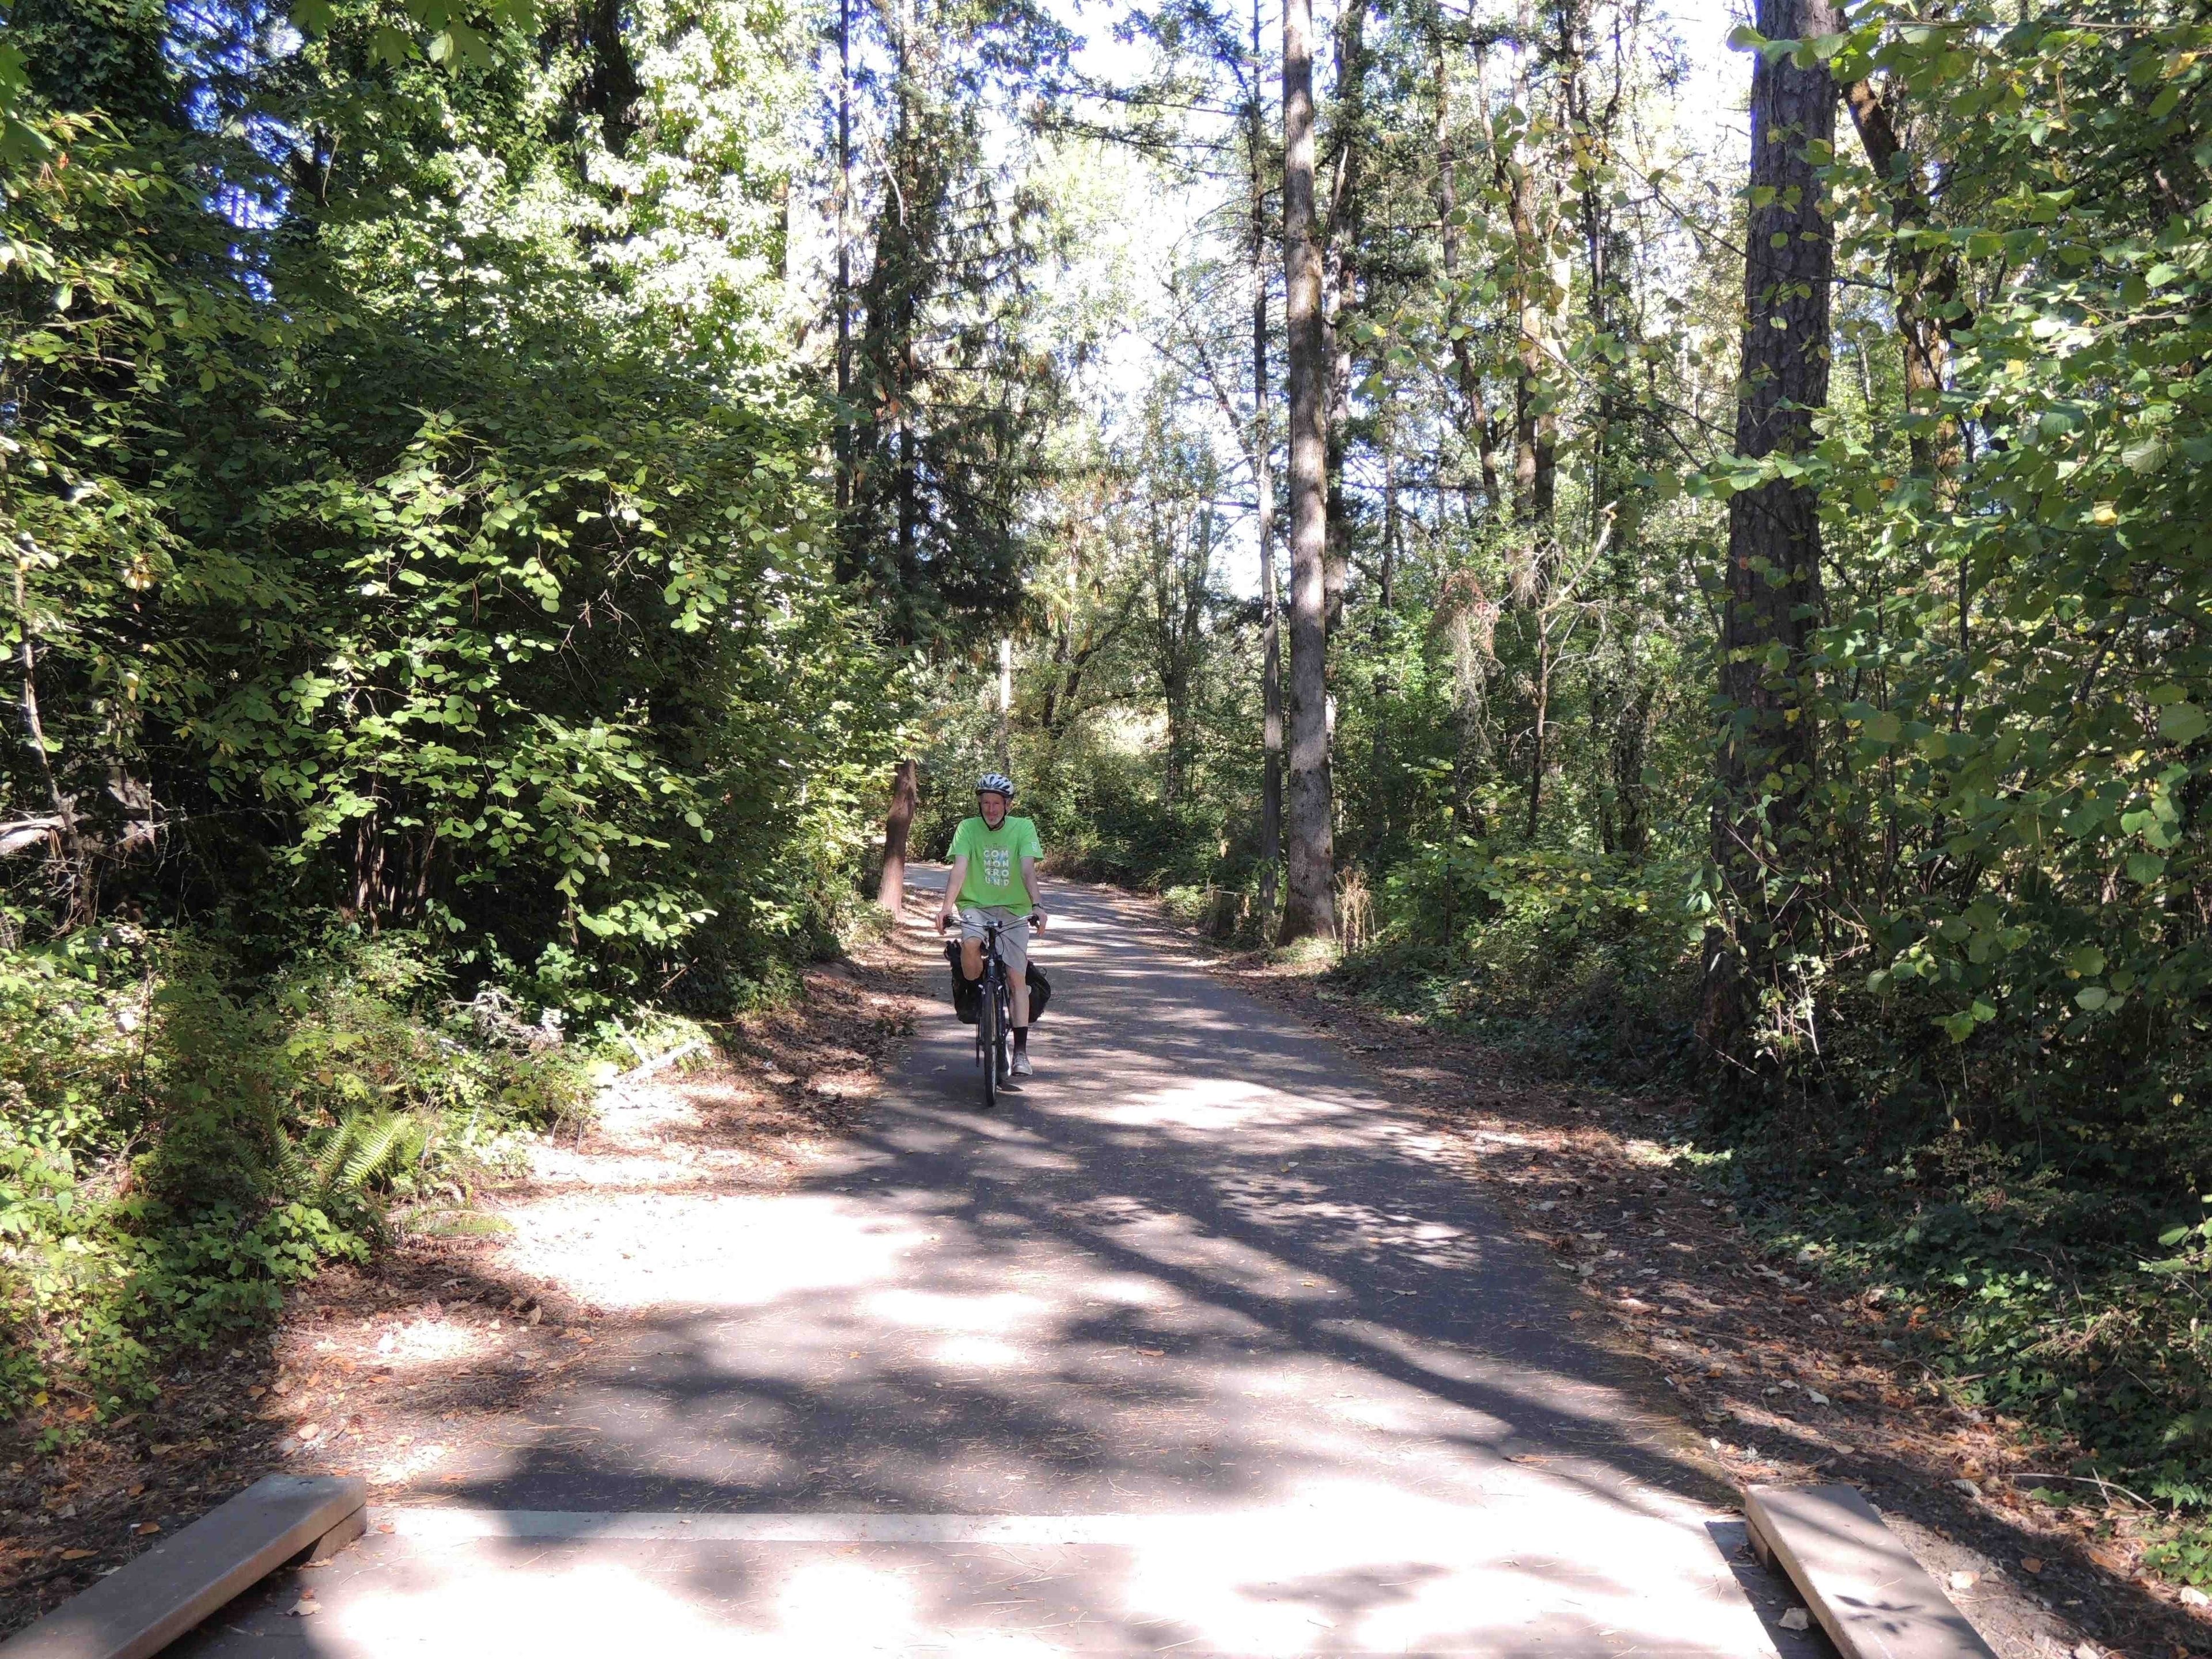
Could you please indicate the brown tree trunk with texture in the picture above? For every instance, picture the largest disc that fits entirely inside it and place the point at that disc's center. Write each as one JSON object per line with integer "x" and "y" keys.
{"x": 1310, "y": 906}
{"x": 1474, "y": 415}
{"x": 1263, "y": 481}
{"x": 1533, "y": 212}
{"x": 906, "y": 796}
{"x": 1341, "y": 260}
{"x": 1924, "y": 286}
{"x": 1767, "y": 750}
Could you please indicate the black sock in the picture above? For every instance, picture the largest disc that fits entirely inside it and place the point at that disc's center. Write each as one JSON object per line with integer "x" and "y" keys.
{"x": 1021, "y": 1039}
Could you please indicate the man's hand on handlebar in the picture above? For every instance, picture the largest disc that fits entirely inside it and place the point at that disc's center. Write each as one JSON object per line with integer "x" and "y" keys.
{"x": 946, "y": 918}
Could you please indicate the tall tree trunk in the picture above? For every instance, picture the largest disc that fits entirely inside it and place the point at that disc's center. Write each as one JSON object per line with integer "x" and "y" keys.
{"x": 844, "y": 256}
{"x": 1537, "y": 747}
{"x": 1263, "y": 482}
{"x": 1923, "y": 287}
{"x": 1474, "y": 416}
{"x": 906, "y": 797}
{"x": 1392, "y": 529}
{"x": 1535, "y": 440}
{"x": 1590, "y": 134}
{"x": 1537, "y": 289}
{"x": 1623, "y": 809}
{"x": 909, "y": 568}
{"x": 1310, "y": 911}
{"x": 1005, "y": 702}
{"x": 1344, "y": 232}
{"x": 1766, "y": 753}
{"x": 611, "y": 90}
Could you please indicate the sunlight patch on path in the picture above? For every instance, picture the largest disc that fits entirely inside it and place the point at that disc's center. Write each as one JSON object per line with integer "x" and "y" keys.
{"x": 1342, "y": 1568}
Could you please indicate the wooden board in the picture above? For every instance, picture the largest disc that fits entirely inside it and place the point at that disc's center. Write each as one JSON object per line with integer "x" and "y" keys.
{"x": 1874, "y": 1599}
{"x": 156, "y": 1597}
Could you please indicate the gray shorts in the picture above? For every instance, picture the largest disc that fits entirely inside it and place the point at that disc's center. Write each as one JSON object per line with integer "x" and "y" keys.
{"x": 1013, "y": 943}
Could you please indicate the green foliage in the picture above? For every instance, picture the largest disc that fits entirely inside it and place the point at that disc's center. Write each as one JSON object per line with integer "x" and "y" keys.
{"x": 489, "y": 593}
{"x": 419, "y": 596}
{"x": 1574, "y": 962}
{"x": 182, "y": 1140}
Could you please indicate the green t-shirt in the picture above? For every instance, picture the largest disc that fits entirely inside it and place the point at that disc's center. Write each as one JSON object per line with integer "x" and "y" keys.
{"x": 994, "y": 861}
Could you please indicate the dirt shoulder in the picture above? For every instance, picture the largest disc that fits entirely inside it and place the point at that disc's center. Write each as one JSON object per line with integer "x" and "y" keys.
{"x": 394, "y": 1370}
{"x": 1790, "y": 1377}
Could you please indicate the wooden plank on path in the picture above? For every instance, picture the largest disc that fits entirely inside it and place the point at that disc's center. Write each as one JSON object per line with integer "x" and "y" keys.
{"x": 150, "y": 1600}
{"x": 1874, "y": 1599}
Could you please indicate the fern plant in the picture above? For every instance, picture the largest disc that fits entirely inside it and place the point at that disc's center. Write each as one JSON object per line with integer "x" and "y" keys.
{"x": 348, "y": 1168}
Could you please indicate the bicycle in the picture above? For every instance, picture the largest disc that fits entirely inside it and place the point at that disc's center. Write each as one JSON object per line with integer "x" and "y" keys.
{"x": 995, "y": 1018}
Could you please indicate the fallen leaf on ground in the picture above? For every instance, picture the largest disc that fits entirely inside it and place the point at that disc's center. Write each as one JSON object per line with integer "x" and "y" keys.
{"x": 305, "y": 1607}
{"x": 1796, "y": 1618}
{"x": 78, "y": 1555}
{"x": 1963, "y": 1580}
{"x": 2031, "y": 1564}
{"x": 145, "y": 1527}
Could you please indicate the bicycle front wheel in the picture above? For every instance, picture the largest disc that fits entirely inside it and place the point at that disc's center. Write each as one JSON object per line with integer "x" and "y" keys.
{"x": 992, "y": 1036}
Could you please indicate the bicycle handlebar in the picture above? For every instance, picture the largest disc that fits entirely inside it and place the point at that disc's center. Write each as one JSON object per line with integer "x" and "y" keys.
{"x": 993, "y": 928}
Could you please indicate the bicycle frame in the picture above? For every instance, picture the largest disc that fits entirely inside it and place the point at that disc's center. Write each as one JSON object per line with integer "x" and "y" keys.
{"x": 998, "y": 1015}
{"x": 993, "y": 1029}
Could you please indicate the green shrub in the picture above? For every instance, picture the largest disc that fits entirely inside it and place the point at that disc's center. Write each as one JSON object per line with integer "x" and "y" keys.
{"x": 180, "y": 1139}
{"x": 1572, "y": 959}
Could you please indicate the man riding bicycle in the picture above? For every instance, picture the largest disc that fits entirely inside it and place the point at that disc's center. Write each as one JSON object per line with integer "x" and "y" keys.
{"x": 988, "y": 853}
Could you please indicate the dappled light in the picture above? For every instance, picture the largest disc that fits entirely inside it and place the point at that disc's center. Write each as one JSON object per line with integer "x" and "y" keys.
{"x": 1578, "y": 632}
{"x": 1213, "y": 1348}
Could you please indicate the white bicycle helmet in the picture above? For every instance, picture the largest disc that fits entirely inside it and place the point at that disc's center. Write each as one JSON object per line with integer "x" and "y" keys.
{"x": 996, "y": 783}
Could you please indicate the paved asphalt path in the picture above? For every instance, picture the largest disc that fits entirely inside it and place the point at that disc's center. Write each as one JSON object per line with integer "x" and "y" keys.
{"x": 1197, "y": 1345}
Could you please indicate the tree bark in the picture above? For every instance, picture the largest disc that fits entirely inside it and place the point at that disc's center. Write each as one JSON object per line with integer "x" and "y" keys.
{"x": 1623, "y": 810}
{"x": 1535, "y": 438}
{"x": 1474, "y": 416}
{"x": 844, "y": 258}
{"x": 1309, "y": 910}
{"x": 609, "y": 89}
{"x": 1925, "y": 286}
{"x": 1393, "y": 528}
{"x": 1766, "y": 752}
{"x": 906, "y": 797}
{"x": 1263, "y": 483}
{"x": 1535, "y": 429}
{"x": 1344, "y": 233}
{"x": 1537, "y": 754}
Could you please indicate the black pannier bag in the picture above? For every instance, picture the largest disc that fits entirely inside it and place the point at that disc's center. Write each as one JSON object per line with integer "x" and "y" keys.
{"x": 967, "y": 993}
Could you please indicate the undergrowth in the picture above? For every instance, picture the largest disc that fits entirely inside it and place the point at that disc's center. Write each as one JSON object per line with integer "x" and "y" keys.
{"x": 180, "y": 1139}
{"x": 2050, "y": 1263}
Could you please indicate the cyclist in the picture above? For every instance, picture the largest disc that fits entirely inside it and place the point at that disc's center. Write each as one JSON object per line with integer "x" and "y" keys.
{"x": 994, "y": 879}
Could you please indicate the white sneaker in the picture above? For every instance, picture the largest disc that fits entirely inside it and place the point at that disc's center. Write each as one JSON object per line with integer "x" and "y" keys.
{"x": 1021, "y": 1066}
